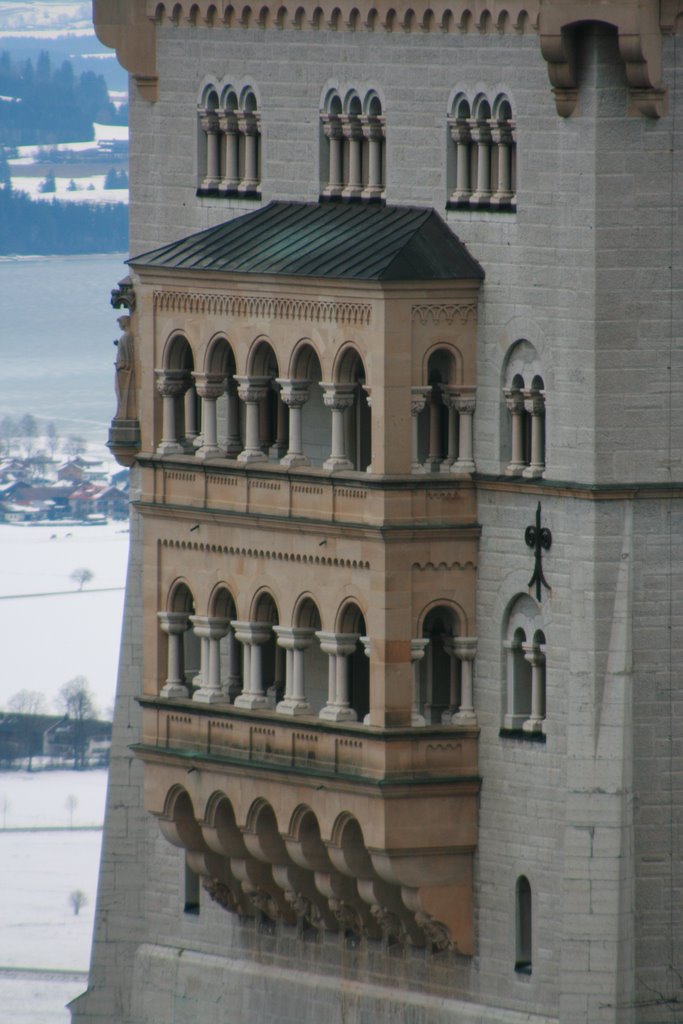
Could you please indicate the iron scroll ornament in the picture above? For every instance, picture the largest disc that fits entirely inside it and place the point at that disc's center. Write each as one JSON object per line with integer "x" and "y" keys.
{"x": 539, "y": 538}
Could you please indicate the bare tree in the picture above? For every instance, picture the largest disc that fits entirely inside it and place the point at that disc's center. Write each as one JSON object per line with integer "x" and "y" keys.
{"x": 8, "y": 434}
{"x": 74, "y": 445}
{"x": 52, "y": 438}
{"x": 28, "y": 429}
{"x": 76, "y": 701}
{"x": 28, "y": 702}
{"x": 81, "y": 577}
{"x": 77, "y": 899}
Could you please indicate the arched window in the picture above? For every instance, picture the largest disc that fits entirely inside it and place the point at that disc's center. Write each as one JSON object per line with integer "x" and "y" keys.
{"x": 180, "y": 410}
{"x": 182, "y": 646}
{"x": 229, "y": 159}
{"x": 353, "y": 157}
{"x": 525, "y": 648}
{"x": 524, "y": 436}
{"x": 482, "y": 162}
{"x": 523, "y": 926}
{"x": 351, "y": 441}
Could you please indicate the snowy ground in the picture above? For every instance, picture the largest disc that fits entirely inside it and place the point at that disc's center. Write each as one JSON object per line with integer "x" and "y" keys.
{"x": 47, "y": 640}
{"x": 49, "y": 18}
{"x": 39, "y": 933}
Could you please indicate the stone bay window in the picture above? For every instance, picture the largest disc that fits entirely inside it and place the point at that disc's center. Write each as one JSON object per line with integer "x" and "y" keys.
{"x": 309, "y": 598}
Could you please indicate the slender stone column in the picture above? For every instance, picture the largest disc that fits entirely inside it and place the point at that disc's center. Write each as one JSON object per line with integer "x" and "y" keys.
{"x": 335, "y": 176}
{"x": 233, "y": 442}
{"x": 461, "y": 135}
{"x": 453, "y": 702}
{"x": 465, "y": 650}
{"x": 373, "y": 131}
{"x": 279, "y": 446}
{"x": 534, "y": 402}
{"x": 227, "y": 122}
{"x": 210, "y": 387}
{"x": 249, "y": 129}
{"x": 294, "y": 640}
{"x": 481, "y": 135}
{"x": 174, "y": 624}
{"x": 295, "y": 394}
{"x": 513, "y": 718}
{"x": 417, "y": 653}
{"x": 191, "y": 439}
{"x": 233, "y": 675}
{"x": 210, "y": 631}
{"x": 448, "y": 397}
{"x": 170, "y": 385}
{"x": 464, "y": 404}
{"x": 338, "y": 398}
{"x": 515, "y": 403}
{"x": 252, "y": 391}
{"x": 353, "y": 133}
{"x": 338, "y": 646}
{"x": 418, "y": 400}
{"x": 503, "y": 140}
{"x": 535, "y": 655}
{"x": 209, "y": 123}
{"x": 253, "y": 635}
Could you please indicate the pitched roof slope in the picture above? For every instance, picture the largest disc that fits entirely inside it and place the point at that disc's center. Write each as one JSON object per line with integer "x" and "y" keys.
{"x": 336, "y": 240}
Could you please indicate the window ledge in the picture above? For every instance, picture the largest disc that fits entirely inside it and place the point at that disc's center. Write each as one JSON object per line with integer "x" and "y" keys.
{"x": 520, "y": 734}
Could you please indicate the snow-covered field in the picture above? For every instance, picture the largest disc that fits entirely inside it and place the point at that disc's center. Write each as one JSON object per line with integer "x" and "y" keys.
{"x": 47, "y": 640}
{"x": 39, "y": 931}
{"x": 49, "y": 18}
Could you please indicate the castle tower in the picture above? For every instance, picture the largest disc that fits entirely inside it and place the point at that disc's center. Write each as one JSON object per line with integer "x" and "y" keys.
{"x": 397, "y": 727}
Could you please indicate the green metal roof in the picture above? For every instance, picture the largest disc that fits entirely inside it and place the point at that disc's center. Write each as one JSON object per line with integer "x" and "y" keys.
{"x": 337, "y": 240}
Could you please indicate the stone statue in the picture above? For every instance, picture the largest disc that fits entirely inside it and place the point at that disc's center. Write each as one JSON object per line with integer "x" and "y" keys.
{"x": 124, "y": 381}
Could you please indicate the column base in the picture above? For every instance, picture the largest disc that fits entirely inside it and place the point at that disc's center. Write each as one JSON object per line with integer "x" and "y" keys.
{"x": 233, "y": 449}
{"x": 257, "y": 456}
{"x": 447, "y": 716}
{"x": 533, "y": 472}
{"x": 417, "y": 720}
{"x": 174, "y": 690}
{"x": 431, "y": 466}
{"x": 202, "y": 696}
{"x": 293, "y": 707}
{"x": 514, "y": 469}
{"x": 514, "y": 721}
{"x": 170, "y": 448}
{"x": 466, "y": 717}
{"x": 337, "y": 463}
{"x": 462, "y": 468}
{"x": 277, "y": 451}
{"x": 294, "y": 459}
{"x": 533, "y": 725}
{"x": 336, "y": 713}
{"x": 446, "y": 466}
{"x": 252, "y": 701}
{"x": 209, "y": 452}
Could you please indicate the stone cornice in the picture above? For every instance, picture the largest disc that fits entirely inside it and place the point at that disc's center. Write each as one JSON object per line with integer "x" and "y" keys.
{"x": 262, "y": 307}
{"x": 129, "y": 26}
{"x": 646, "y": 491}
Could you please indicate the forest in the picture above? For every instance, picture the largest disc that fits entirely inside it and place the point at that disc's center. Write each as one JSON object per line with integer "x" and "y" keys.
{"x": 42, "y": 105}
{"x": 40, "y": 228}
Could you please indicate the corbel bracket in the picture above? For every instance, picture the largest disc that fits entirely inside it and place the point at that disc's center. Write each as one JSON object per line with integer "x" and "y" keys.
{"x": 124, "y": 26}
{"x": 640, "y": 46}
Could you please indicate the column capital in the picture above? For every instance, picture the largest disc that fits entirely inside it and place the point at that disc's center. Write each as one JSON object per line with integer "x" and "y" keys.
{"x": 209, "y": 628}
{"x": 481, "y": 131}
{"x": 534, "y": 401}
{"x": 252, "y": 389}
{"x": 465, "y": 400}
{"x": 248, "y": 122}
{"x": 338, "y": 396}
{"x": 294, "y": 638}
{"x": 459, "y": 127}
{"x": 208, "y": 120}
{"x": 227, "y": 122}
{"x": 252, "y": 632}
{"x": 174, "y": 623}
{"x": 465, "y": 647}
{"x": 418, "y": 399}
{"x": 372, "y": 127}
{"x": 210, "y": 385}
{"x": 171, "y": 383}
{"x": 338, "y": 644}
{"x": 534, "y": 653}
{"x": 514, "y": 399}
{"x": 294, "y": 393}
{"x": 351, "y": 126}
{"x": 332, "y": 126}
{"x": 502, "y": 133}
{"x": 418, "y": 648}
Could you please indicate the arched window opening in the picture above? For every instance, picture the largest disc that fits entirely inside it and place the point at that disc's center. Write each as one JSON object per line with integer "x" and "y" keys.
{"x": 229, "y": 161}
{"x": 524, "y": 437}
{"x": 525, "y": 648}
{"x": 182, "y": 648}
{"x": 348, "y": 697}
{"x": 351, "y": 440}
{"x": 440, "y": 668}
{"x": 523, "y": 926}
{"x": 352, "y": 150}
{"x": 482, "y": 161}
{"x": 305, "y": 663}
{"x": 266, "y": 421}
{"x": 309, "y": 425}
{"x": 438, "y": 422}
{"x": 180, "y": 409}
{"x": 263, "y": 669}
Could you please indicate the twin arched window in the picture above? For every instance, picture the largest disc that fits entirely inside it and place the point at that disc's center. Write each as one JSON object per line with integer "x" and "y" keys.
{"x": 482, "y": 159}
{"x": 524, "y": 443}
{"x": 230, "y": 143}
{"x": 525, "y": 648}
{"x": 353, "y": 162}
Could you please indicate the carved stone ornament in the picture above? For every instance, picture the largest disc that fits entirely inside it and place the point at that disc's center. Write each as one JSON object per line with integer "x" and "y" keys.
{"x": 264, "y": 902}
{"x": 348, "y": 918}
{"x": 123, "y": 296}
{"x": 393, "y": 928}
{"x": 221, "y": 894}
{"x": 436, "y": 933}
